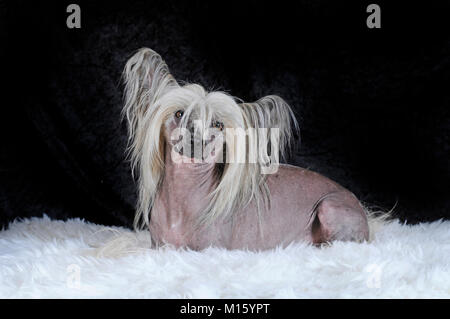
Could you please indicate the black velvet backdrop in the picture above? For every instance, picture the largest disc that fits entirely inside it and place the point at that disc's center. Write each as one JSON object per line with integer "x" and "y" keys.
{"x": 373, "y": 104}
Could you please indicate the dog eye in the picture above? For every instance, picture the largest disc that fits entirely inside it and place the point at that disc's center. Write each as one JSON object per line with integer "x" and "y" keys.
{"x": 218, "y": 125}
{"x": 178, "y": 114}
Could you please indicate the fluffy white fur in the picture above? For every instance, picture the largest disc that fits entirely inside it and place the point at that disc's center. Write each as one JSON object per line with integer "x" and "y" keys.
{"x": 40, "y": 258}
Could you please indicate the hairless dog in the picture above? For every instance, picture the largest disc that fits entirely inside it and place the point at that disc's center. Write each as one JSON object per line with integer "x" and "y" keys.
{"x": 204, "y": 172}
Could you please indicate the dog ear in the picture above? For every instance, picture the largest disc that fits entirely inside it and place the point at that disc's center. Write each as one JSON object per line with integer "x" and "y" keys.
{"x": 147, "y": 78}
{"x": 271, "y": 112}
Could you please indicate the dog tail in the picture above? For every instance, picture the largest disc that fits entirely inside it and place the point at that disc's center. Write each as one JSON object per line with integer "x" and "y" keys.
{"x": 377, "y": 219}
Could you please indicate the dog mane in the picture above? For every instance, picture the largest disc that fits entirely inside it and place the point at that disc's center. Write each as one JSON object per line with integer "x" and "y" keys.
{"x": 147, "y": 83}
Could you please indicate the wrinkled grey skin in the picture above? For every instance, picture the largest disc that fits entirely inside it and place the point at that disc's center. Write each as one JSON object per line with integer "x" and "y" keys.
{"x": 305, "y": 206}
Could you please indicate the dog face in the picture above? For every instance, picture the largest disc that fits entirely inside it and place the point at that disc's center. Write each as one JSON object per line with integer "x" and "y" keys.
{"x": 195, "y": 123}
{"x": 187, "y": 135}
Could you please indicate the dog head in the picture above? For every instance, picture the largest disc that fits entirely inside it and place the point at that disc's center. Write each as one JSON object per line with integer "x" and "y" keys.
{"x": 186, "y": 123}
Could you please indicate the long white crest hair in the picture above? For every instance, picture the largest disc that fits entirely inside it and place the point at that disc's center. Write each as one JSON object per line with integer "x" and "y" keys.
{"x": 152, "y": 95}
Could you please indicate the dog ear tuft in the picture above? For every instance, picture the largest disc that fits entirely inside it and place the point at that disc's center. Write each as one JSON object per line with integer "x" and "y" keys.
{"x": 146, "y": 78}
{"x": 270, "y": 112}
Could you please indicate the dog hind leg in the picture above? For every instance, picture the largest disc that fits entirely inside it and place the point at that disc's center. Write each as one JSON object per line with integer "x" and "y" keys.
{"x": 337, "y": 219}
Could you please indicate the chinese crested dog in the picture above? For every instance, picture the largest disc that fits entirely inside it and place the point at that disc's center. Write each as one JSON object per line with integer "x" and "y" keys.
{"x": 208, "y": 171}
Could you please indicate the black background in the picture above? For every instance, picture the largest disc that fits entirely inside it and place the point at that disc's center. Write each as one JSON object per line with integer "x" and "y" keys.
{"x": 373, "y": 104}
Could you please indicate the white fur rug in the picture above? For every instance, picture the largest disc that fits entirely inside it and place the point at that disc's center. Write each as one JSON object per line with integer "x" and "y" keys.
{"x": 43, "y": 258}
